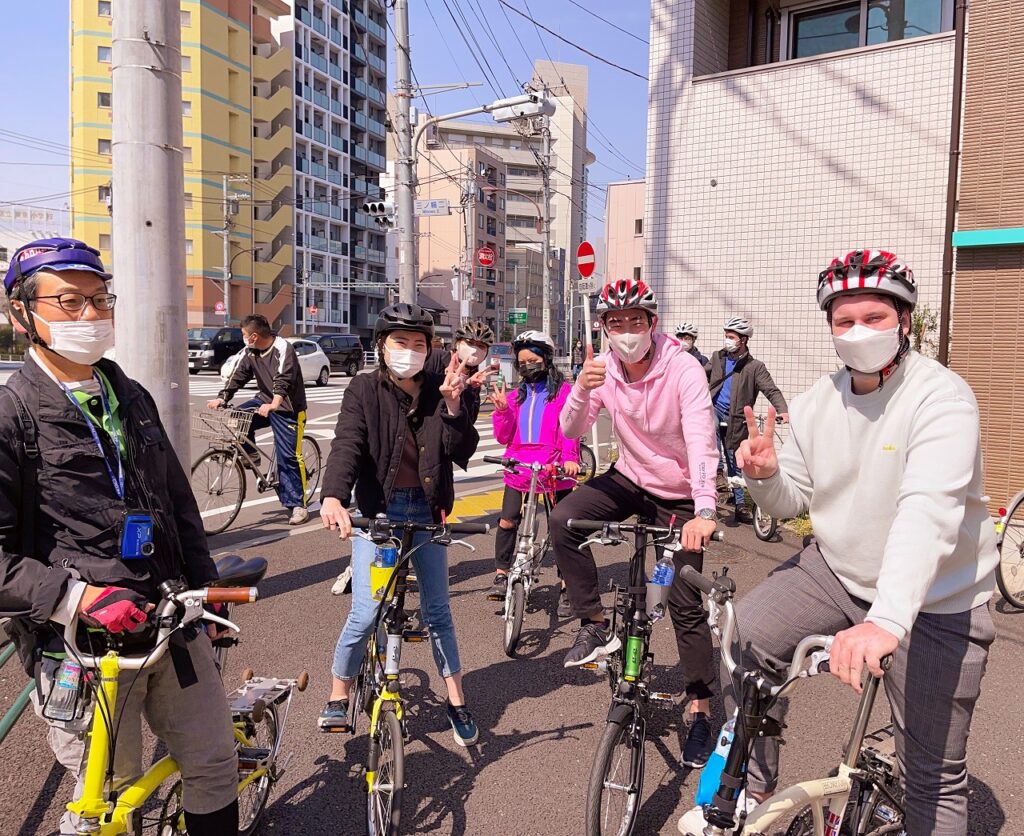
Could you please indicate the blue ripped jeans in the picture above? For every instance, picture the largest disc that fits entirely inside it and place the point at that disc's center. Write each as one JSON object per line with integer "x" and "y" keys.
{"x": 431, "y": 564}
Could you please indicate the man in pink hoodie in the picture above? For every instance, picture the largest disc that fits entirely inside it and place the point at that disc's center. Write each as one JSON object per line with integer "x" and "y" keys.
{"x": 657, "y": 396}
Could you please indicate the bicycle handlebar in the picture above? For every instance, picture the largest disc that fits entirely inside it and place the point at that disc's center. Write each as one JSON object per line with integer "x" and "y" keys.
{"x": 376, "y": 524}
{"x": 509, "y": 463}
{"x": 175, "y": 611}
{"x": 618, "y": 529}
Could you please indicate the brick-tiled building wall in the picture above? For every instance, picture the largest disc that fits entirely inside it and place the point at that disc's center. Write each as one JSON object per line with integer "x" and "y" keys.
{"x": 757, "y": 178}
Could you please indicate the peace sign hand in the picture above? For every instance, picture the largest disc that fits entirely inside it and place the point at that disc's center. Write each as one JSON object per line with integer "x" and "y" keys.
{"x": 454, "y": 384}
{"x": 756, "y": 455}
{"x": 499, "y": 396}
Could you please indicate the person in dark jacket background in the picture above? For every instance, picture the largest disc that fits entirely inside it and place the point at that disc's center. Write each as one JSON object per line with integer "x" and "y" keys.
{"x": 686, "y": 333}
{"x": 280, "y": 405}
{"x": 736, "y": 381}
{"x": 398, "y": 432}
{"x": 100, "y": 453}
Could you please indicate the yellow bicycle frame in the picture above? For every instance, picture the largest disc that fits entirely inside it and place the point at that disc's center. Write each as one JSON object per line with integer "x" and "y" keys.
{"x": 114, "y": 818}
{"x": 386, "y": 696}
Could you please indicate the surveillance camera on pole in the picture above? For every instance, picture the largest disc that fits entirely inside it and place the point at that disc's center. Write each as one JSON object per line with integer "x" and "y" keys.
{"x": 521, "y": 107}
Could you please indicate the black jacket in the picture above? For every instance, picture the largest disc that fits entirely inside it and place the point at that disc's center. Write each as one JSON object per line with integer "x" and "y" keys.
{"x": 370, "y": 435}
{"x": 76, "y": 514}
{"x": 749, "y": 378}
{"x": 277, "y": 372}
{"x": 694, "y": 352}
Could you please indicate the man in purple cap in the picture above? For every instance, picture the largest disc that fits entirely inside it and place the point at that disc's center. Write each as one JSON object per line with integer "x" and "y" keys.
{"x": 83, "y": 459}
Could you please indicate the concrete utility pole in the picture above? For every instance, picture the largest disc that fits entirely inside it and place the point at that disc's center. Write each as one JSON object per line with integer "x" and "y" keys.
{"x": 546, "y": 173}
{"x": 403, "y": 129}
{"x": 227, "y": 253}
{"x": 149, "y": 216}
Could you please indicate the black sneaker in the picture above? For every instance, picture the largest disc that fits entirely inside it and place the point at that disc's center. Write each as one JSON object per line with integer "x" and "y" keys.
{"x": 498, "y": 588}
{"x": 463, "y": 725}
{"x": 593, "y": 641}
{"x": 564, "y": 607}
{"x": 334, "y": 717}
{"x": 743, "y": 515}
{"x": 699, "y": 742}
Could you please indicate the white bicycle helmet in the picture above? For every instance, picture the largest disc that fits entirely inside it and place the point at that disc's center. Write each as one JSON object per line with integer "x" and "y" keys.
{"x": 740, "y": 325}
{"x": 686, "y": 329}
{"x": 537, "y": 338}
{"x": 867, "y": 271}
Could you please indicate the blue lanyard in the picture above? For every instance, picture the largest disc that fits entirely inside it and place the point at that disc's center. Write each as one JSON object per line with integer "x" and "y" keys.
{"x": 118, "y": 481}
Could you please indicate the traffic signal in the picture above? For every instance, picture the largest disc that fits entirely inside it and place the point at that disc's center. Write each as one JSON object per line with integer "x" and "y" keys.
{"x": 382, "y": 211}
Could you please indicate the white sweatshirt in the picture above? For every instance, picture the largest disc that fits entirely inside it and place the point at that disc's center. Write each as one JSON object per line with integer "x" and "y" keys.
{"x": 893, "y": 482}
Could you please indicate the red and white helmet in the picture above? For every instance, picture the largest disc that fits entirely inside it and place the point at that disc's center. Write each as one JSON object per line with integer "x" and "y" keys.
{"x": 625, "y": 294}
{"x": 866, "y": 271}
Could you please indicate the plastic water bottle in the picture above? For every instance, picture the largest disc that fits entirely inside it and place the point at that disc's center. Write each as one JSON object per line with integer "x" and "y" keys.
{"x": 385, "y": 557}
{"x": 664, "y": 570}
{"x": 63, "y": 702}
{"x": 711, "y": 774}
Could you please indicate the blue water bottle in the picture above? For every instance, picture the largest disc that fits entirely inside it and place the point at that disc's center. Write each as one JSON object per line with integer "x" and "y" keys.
{"x": 385, "y": 557}
{"x": 711, "y": 774}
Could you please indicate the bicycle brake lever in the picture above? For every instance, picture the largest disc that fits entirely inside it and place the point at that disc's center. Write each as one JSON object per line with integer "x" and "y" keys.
{"x": 216, "y": 619}
{"x": 600, "y": 540}
{"x": 465, "y": 543}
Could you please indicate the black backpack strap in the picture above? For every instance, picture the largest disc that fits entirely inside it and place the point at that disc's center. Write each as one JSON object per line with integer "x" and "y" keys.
{"x": 29, "y": 472}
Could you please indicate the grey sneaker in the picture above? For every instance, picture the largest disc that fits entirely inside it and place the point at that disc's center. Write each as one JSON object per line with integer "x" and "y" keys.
{"x": 463, "y": 725}
{"x": 592, "y": 642}
{"x": 344, "y": 582}
{"x": 298, "y": 517}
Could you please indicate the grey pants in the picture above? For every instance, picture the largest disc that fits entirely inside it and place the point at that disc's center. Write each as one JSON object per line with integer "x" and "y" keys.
{"x": 932, "y": 687}
{"x": 194, "y": 722}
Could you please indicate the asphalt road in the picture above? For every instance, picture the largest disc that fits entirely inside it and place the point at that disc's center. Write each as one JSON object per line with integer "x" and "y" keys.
{"x": 540, "y": 724}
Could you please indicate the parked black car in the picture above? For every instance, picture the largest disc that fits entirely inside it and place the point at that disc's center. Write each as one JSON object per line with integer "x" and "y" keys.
{"x": 208, "y": 348}
{"x": 345, "y": 351}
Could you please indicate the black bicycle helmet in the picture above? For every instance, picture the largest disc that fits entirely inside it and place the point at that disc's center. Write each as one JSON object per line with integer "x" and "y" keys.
{"x": 403, "y": 317}
{"x": 478, "y": 332}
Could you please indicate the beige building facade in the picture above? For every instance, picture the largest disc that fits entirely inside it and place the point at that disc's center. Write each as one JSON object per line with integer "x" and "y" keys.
{"x": 624, "y": 230}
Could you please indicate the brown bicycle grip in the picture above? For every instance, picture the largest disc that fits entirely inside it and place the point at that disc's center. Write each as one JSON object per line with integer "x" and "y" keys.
{"x": 231, "y": 594}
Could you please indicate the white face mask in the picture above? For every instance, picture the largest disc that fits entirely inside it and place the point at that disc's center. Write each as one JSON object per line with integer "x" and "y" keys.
{"x": 82, "y": 341}
{"x": 687, "y": 343}
{"x": 404, "y": 362}
{"x": 866, "y": 349}
{"x": 631, "y": 348}
{"x": 470, "y": 354}
{"x": 730, "y": 345}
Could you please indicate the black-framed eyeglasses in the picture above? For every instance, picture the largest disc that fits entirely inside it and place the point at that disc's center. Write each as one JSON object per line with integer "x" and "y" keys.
{"x": 75, "y": 302}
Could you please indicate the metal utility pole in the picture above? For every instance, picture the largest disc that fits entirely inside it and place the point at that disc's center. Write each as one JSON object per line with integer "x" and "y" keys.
{"x": 227, "y": 253}
{"x": 403, "y": 129}
{"x": 148, "y": 224}
{"x": 546, "y": 173}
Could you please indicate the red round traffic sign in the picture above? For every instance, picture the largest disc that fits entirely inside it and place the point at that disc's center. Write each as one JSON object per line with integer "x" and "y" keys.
{"x": 485, "y": 255}
{"x": 312, "y": 310}
{"x": 585, "y": 260}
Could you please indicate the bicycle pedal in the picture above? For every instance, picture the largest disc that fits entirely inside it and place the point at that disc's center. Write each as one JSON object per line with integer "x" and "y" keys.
{"x": 662, "y": 697}
{"x": 251, "y": 758}
{"x": 415, "y": 635}
{"x": 601, "y": 665}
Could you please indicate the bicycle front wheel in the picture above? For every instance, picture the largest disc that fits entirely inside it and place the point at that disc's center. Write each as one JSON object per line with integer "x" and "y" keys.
{"x": 255, "y": 755}
{"x": 765, "y": 526}
{"x": 1010, "y": 572}
{"x": 218, "y": 483}
{"x": 514, "y": 618}
{"x": 617, "y": 778}
{"x": 313, "y": 463}
{"x": 386, "y": 764}
{"x": 588, "y": 464}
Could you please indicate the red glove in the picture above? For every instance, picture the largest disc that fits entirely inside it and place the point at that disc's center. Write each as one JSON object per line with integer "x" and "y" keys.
{"x": 116, "y": 610}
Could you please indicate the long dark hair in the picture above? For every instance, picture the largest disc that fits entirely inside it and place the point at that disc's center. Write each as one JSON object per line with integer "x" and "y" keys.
{"x": 555, "y": 378}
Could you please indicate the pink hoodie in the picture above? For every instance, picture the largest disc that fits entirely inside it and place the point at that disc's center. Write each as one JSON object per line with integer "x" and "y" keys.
{"x": 664, "y": 423}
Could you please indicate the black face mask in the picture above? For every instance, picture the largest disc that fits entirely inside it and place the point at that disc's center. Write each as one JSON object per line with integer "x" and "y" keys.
{"x": 533, "y": 372}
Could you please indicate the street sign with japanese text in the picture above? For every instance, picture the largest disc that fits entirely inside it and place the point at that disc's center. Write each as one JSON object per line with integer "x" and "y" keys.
{"x": 432, "y": 208}
{"x": 517, "y": 316}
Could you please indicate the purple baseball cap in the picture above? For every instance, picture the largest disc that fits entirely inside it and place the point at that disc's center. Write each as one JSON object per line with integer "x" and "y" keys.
{"x": 53, "y": 254}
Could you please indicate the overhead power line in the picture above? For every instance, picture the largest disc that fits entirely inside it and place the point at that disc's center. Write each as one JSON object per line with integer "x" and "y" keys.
{"x": 610, "y": 23}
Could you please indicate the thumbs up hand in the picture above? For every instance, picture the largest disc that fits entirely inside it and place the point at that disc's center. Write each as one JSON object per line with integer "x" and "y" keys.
{"x": 594, "y": 371}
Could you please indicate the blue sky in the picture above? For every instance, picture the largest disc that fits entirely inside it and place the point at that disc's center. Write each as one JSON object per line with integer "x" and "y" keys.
{"x": 34, "y": 65}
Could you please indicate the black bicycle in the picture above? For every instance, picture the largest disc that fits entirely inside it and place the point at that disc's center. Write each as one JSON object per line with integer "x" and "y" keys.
{"x": 617, "y": 775}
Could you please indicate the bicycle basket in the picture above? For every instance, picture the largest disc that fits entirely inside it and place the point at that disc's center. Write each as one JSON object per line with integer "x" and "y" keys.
{"x": 224, "y": 425}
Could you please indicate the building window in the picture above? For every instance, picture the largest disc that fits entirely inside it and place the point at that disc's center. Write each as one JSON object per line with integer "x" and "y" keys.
{"x": 186, "y": 63}
{"x": 835, "y": 26}
{"x": 188, "y": 246}
{"x": 102, "y": 99}
{"x": 190, "y": 292}
{"x": 103, "y": 54}
{"x": 186, "y": 154}
{"x": 103, "y": 195}
{"x": 186, "y": 18}
{"x": 188, "y": 200}
{"x": 104, "y": 241}
{"x": 638, "y": 226}
{"x": 186, "y": 108}
{"x": 636, "y": 274}
{"x": 103, "y": 8}
{"x": 103, "y": 146}
{"x": 479, "y": 221}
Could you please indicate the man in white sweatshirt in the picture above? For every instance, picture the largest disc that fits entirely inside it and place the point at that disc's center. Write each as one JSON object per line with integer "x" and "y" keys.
{"x": 885, "y": 455}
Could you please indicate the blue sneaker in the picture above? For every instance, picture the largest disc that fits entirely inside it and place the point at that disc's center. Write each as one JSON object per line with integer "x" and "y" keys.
{"x": 334, "y": 717}
{"x": 466, "y": 732}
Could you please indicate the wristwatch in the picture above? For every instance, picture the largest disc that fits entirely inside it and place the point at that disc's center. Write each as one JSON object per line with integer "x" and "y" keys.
{"x": 707, "y": 514}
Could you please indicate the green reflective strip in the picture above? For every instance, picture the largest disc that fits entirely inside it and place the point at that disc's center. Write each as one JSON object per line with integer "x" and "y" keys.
{"x": 1002, "y": 237}
{"x": 215, "y": 10}
{"x": 216, "y": 141}
{"x": 93, "y": 79}
{"x": 215, "y": 97}
{"x": 211, "y": 51}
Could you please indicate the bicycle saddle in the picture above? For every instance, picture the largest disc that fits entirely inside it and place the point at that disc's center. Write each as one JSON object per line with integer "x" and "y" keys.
{"x": 232, "y": 570}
